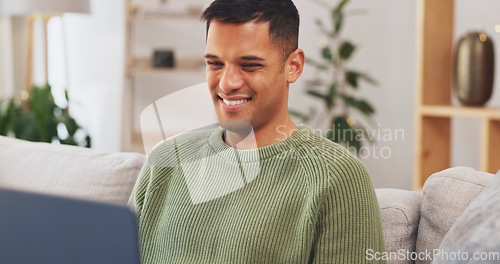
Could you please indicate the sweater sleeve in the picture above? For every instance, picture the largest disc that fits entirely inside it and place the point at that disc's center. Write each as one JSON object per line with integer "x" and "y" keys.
{"x": 348, "y": 223}
{"x": 159, "y": 163}
{"x": 137, "y": 197}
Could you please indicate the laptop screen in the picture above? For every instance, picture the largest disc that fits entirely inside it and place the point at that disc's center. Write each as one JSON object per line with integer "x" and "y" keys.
{"x": 36, "y": 228}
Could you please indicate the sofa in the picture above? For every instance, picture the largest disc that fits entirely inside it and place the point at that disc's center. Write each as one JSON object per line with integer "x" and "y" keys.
{"x": 414, "y": 224}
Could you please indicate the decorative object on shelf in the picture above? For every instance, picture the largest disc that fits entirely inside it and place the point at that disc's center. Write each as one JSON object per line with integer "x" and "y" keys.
{"x": 334, "y": 85}
{"x": 474, "y": 68}
{"x": 35, "y": 117}
{"x": 163, "y": 59}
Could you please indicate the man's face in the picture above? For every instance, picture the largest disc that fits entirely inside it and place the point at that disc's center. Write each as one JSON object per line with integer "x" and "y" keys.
{"x": 245, "y": 75}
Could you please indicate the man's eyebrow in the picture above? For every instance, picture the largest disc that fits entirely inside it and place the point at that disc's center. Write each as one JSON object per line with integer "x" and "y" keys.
{"x": 245, "y": 58}
{"x": 210, "y": 56}
{"x": 252, "y": 58}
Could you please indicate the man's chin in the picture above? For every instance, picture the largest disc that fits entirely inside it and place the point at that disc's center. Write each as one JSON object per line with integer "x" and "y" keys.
{"x": 237, "y": 126}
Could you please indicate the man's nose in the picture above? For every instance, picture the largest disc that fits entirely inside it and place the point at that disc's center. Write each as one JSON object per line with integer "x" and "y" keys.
{"x": 231, "y": 79}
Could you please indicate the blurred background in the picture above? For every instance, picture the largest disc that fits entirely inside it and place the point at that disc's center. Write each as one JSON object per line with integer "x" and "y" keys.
{"x": 120, "y": 56}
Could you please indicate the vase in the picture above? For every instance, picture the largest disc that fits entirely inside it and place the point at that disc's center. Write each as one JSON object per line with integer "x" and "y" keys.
{"x": 474, "y": 69}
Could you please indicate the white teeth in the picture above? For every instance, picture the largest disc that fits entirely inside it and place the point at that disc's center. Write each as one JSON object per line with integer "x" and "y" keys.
{"x": 236, "y": 102}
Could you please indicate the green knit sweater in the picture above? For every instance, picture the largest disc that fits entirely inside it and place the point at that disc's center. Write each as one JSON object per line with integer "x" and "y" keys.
{"x": 302, "y": 200}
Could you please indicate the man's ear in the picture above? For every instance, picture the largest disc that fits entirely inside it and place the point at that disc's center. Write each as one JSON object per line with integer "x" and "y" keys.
{"x": 295, "y": 65}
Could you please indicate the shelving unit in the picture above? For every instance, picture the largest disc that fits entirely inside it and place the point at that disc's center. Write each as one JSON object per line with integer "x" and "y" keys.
{"x": 142, "y": 67}
{"x": 434, "y": 110}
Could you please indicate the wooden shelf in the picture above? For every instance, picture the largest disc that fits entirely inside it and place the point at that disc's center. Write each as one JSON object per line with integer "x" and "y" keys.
{"x": 138, "y": 18}
{"x": 434, "y": 111}
{"x": 135, "y": 16}
{"x": 144, "y": 67}
{"x": 460, "y": 111}
{"x": 164, "y": 19}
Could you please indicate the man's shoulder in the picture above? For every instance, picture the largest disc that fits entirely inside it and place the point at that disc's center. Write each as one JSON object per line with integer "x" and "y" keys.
{"x": 318, "y": 147}
{"x": 167, "y": 151}
{"x": 186, "y": 138}
{"x": 323, "y": 156}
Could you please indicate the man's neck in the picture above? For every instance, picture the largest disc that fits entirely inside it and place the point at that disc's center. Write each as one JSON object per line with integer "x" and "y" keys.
{"x": 260, "y": 138}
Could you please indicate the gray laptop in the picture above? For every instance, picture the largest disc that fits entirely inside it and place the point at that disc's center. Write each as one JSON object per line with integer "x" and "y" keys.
{"x": 37, "y": 228}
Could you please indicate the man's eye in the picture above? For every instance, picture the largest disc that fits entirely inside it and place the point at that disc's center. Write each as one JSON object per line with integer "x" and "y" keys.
{"x": 251, "y": 67}
{"x": 215, "y": 65}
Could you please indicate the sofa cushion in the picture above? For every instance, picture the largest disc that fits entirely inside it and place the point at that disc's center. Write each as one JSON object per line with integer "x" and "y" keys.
{"x": 446, "y": 194}
{"x": 474, "y": 236}
{"x": 400, "y": 211}
{"x": 68, "y": 170}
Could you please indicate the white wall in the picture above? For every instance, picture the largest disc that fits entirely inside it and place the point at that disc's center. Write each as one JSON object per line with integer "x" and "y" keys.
{"x": 96, "y": 57}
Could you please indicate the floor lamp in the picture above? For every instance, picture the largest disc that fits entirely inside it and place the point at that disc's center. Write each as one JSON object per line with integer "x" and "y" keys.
{"x": 40, "y": 10}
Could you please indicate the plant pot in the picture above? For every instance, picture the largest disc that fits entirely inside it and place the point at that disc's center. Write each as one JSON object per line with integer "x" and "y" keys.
{"x": 474, "y": 69}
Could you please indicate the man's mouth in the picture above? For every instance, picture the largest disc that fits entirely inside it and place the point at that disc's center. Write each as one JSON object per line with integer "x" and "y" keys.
{"x": 235, "y": 102}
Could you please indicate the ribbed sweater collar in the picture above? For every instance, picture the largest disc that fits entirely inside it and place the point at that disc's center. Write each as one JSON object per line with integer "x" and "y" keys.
{"x": 258, "y": 154}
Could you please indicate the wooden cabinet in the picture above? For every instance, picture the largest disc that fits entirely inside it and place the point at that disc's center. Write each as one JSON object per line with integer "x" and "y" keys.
{"x": 434, "y": 110}
{"x": 140, "y": 66}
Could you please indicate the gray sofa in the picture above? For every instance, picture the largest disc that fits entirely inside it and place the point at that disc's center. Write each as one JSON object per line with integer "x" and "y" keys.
{"x": 413, "y": 223}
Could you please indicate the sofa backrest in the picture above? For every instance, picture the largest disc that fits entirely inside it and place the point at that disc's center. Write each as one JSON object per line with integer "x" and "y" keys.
{"x": 68, "y": 170}
{"x": 446, "y": 195}
{"x": 400, "y": 212}
{"x": 414, "y": 224}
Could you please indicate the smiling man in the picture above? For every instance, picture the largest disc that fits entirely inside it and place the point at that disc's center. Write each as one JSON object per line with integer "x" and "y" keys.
{"x": 258, "y": 189}
{"x": 248, "y": 77}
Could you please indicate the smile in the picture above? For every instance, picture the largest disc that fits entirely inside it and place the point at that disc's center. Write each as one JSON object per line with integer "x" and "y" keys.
{"x": 235, "y": 102}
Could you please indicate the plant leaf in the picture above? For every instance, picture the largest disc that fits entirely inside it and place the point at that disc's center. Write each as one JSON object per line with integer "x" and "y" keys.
{"x": 332, "y": 91}
{"x": 367, "y": 78}
{"x": 326, "y": 52}
{"x": 37, "y": 118}
{"x": 3, "y": 119}
{"x": 341, "y": 5}
{"x": 352, "y": 78}
{"x": 346, "y": 50}
{"x": 337, "y": 15}
{"x": 316, "y": 64}
{"x": 349, "y": 100}
{"x": 361, "y": 105}
{"x": 344, "y": 133}
{"x": 365, "y": 107}
{"x": 340, "y": 126}
{"x": 298, "y": 114}
{"x": 315, "y": 82}
{"x": 338, "y": 21}
{"x": 325, "y": 97}
{"x": 316, "y": 94}
{"x": 322, "y": 28}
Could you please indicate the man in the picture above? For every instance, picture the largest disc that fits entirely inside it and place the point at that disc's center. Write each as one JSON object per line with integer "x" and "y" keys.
{"x": 258, "y": 189}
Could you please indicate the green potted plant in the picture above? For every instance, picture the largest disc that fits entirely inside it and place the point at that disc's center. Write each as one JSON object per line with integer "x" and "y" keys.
{"x": 38, "y": 118}
{"x": 335, "y": 85}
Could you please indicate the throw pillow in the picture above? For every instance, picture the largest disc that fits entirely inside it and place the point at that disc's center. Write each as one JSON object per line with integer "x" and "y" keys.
{"x": 446, "y": 194}
{"x": 475, "y": 236}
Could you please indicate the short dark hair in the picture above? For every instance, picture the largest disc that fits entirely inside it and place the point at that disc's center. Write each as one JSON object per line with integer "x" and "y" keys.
{"x": 282, "y": 16}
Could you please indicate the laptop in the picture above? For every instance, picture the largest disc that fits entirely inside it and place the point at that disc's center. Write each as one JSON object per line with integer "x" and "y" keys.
{"x": 36, "y": 228}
